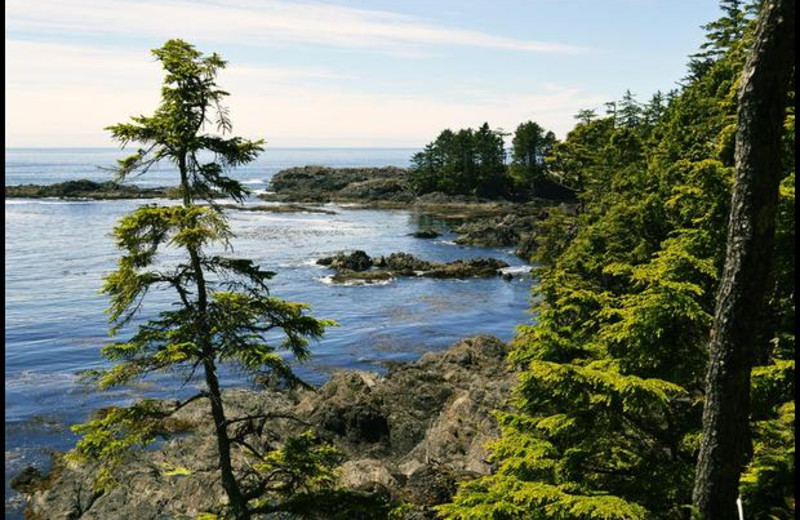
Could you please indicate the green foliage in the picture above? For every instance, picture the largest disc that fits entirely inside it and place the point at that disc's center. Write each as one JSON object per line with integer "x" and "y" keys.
{"x": 301, "y": 482}
{"x": 529, "y": 148}
{"x": 607, "y": 415}
{"x": 223, "y": 311}
{"x": 190, "y": 99}
{"x": 467, "y": 162}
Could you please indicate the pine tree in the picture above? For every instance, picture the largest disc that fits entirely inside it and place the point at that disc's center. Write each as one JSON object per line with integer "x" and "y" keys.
{"x": 529, "y": 148}
{"x": 223, "y": 312}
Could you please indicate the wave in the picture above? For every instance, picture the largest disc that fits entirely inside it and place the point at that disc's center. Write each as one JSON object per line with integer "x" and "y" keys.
{"x": 254, "y": 181}
{"x": 328, "y": 280}
{"x": 516, "y": 269}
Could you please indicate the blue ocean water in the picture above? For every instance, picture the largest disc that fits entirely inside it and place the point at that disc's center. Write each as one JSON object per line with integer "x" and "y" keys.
{"x": 58, "y": 251}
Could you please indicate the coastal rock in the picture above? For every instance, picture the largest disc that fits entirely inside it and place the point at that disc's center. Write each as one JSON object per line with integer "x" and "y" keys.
{"x": 404, "y": 262}
{"x": 475, "y": 267}
{"x": 324, "y": 184}
{"x": 394, "y": 189}
{"x": 413, "y": 433}
{"x": 354, "y": 269}
{"x": 425, "y": 234}
{"x": 356, "y": 261}
{"x": 86, "y": 189}
{"x": 497, "y": 231}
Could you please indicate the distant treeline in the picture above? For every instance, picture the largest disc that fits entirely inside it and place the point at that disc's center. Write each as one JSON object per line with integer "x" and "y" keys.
{"x": 473, "y": 161}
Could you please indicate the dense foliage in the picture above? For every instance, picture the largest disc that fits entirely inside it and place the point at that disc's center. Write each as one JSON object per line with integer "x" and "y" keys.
{"x": 608, "y": 408}
{"x": 467, "y": 162}
{"x": 529, "y": 148}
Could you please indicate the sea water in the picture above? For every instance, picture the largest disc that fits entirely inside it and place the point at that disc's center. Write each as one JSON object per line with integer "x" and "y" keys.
{"x": 57, "y": 252}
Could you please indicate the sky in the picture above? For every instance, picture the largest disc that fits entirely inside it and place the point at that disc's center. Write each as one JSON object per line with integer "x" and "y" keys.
{"x": 343, "y": 73}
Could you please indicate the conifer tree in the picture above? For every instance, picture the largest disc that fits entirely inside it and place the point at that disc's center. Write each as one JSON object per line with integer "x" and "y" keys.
{"x": 223, "y": 311}
{"x": 607, "y": 413}
{"x": 529, "y": 148}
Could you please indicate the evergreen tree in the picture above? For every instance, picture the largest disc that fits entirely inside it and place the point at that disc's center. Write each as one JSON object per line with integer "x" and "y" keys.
{"x": 629, "y": 111}
{"x": 529, "y": 148}
{"x": 223, "y": 312}
{"x": 467, "y": 162}
{"x": 607, "y": 419}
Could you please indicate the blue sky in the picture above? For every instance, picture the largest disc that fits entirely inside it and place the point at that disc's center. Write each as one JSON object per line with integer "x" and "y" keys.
{"x": 343, "y": 73}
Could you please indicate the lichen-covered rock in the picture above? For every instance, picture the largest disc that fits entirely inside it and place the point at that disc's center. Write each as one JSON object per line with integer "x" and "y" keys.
{"x": 353, "y": 268}
{"x": 404, "y": 262}
{"x": 475, "y": 267}
{"x": 497, "y": 231}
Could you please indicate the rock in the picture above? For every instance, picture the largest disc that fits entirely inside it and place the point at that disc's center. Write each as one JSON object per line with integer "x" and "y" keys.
{"x": 28, "y": 480}
{"x": 476, "y": 267}
{"x": 425, "y": 233}
{"x": 405, "y": 263}
{"x": 367, "y": 475}
{"x": 526, "y": 246}
{"x": 350, "y": 410}
{"x": 412, "y": 433}
{"x": 348, "y": 277}
{"x": 355, "y": 261}
{"x": 86, "y": 189}
{"x": 394, "y": 189}
{"x": 324, "y": 184}
{"x": 496, "y": 231}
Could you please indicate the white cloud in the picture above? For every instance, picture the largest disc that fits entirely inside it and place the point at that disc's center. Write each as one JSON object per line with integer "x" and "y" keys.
{"x": 267, "y": 22}
{"x": 64, "y": 95}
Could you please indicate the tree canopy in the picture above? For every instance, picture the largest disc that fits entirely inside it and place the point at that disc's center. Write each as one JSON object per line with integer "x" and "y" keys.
{"x": 607, "y": 418}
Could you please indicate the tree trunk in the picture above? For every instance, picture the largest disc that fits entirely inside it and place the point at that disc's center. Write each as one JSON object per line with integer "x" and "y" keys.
{"x": 236, "y": 500}
{"x": 737, "y": 324}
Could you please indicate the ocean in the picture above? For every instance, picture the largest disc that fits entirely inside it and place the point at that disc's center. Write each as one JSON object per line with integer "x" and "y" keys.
{"x": 58, "y": 251}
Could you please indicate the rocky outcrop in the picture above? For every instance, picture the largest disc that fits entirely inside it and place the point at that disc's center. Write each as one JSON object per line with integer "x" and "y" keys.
{"x": 356, "y": 261}
{"x": 412, "y": 432}
{"x": 358, "y": 267}
{"x": 325, "y": 184}
{"x": 425, "y": 234}
{"x": 86, "y": 189}
{"x": 498, "y": 231}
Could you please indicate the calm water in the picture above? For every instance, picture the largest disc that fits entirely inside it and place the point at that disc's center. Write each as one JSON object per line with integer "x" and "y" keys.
{"x": 58, "y": 251}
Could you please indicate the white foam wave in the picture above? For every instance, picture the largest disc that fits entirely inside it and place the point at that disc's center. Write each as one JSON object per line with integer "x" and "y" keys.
{"x": 328, "y": 280}
{"x": 516, "y": 269}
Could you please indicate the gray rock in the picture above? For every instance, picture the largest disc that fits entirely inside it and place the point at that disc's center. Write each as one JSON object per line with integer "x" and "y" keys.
{"x": 356, "y": 261}
{"x": 413, "y": 432}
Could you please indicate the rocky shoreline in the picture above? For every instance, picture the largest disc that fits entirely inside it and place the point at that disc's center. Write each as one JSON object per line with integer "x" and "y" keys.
{"x": 86, "y": 189}
{"x": 477, "y": 222}
{"x": 410, "y": 434}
